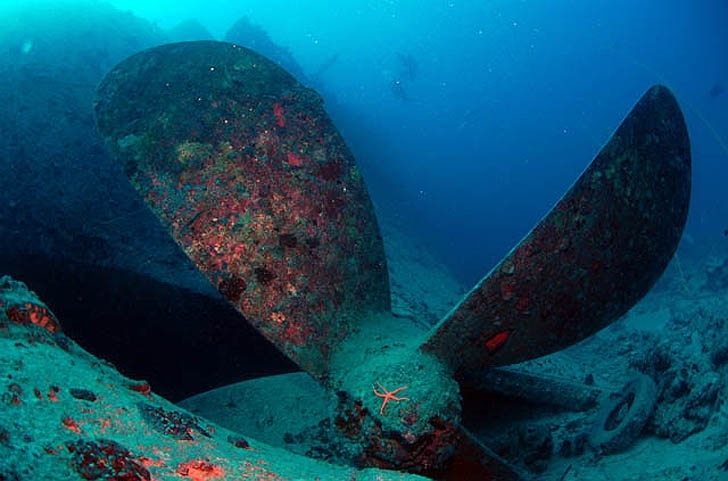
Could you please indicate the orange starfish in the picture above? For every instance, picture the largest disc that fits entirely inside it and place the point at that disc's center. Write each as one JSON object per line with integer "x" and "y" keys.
{"x": 388, "y": 395}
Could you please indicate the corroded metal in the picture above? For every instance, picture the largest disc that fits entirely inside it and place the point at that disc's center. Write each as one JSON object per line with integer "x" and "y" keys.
{"x": 591, "y": 258}
{"x": 248, "y": 173}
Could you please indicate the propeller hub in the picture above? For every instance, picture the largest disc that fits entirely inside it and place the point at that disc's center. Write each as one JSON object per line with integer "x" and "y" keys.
{"x": 398, "y": 408}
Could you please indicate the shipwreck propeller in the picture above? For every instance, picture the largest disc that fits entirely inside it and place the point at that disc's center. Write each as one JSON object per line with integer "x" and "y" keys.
{"x": 245, "y": 169}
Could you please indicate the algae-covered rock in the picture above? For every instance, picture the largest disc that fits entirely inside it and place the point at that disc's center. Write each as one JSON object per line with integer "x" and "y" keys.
{"x": 66, "y": 415}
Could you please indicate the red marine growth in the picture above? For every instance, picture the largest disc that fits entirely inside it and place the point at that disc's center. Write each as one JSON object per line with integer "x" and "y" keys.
{"x": 278, "y": 111}
{"x": 106, "y": 459}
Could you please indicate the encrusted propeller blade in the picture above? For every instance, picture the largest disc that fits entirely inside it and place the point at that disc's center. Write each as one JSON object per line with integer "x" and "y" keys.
{"x": 248, "y": 173}
{"x": 473, "y": 460}
{"x": 590, "y": 259}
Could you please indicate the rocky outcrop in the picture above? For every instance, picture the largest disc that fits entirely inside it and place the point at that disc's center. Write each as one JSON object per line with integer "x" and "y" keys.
{"x": 66, "y": 415}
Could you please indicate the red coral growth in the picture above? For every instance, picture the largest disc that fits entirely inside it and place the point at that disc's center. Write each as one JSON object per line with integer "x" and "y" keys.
{"x": 142, "y": 388}
{"x": 178, "y": 425}
{"x": 106, "y": 460}
{"x": 29, "y": 313}
{"x": 496, "y": 341}
{"x": 53, "y": 393}
{"x": 294, "y": 160}
{"x": 278, "y": 111}
{"x": 70, "y": 423}
{"x": 200, "y": 470}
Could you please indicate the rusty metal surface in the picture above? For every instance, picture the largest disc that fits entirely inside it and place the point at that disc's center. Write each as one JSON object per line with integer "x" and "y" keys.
{"x": 591, "y": 258}
{"x": 247, "y": 172}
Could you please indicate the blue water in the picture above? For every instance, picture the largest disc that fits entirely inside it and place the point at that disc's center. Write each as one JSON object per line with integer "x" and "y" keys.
{"x": 510, "y": 101}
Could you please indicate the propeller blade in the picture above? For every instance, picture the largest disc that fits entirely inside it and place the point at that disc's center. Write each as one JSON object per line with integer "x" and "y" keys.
{"x": 591, "y": 258}
{"x": 473, "y": 460}
{"x": 245, "y": 169}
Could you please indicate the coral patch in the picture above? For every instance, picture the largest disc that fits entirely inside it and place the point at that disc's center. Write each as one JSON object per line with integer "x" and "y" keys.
{"x": 29, "y": 313}
{"x": 294, "y": 160}
{"x": 200, "y": 470}
{"x": 106, "y": 459}
{"x": 278, "y": 111}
